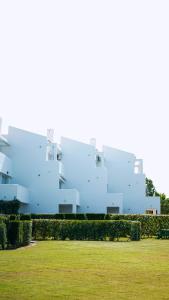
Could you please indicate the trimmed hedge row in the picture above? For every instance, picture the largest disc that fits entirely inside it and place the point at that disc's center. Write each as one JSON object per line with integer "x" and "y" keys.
{"x": 3, "y": 218}
{"x": 85, "y": 229}
{"x": 150, "y": 224}
{"x": 163, "y": 234}
{"x": 87, "y": 216}
{"x": 15, "y": 233}
{"x": 3, "y": 236}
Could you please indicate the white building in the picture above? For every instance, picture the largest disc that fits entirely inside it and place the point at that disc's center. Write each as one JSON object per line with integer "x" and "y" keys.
{"x": 71, "y": 177}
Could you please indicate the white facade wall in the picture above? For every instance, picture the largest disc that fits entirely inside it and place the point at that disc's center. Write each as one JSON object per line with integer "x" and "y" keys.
{"x": 122, "y": 178}
{"x": 5, "y": 165}
{"x": 14, "y": 191}
{"x": 81, "y": 172}
{"x": 74, "y": 173}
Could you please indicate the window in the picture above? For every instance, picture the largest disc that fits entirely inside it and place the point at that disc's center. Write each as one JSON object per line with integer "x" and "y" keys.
{"x": 113, "y": 210}
{"x": 65, "y": 208}
{"x": 5, "y": 179}
{"x": 151, "y": 211}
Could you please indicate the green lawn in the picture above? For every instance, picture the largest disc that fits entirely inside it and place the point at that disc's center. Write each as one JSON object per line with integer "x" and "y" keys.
{"x": 86, "y": 270}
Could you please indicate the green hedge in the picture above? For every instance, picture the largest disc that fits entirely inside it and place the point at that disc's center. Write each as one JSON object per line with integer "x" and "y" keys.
{"x": 3, "y": 218}
{"x": 150, "y": 225}
{"x": 14, "y": 217}
{"x": 135, "y": 233}
{"x": 163, "y": 234}
{"x": 91, "y": 216}
{"x": 27, "y": 232}
{"x": 24, "y": 217}
{"x": 19, "y": 233}
{"x": 9, "y": 207}
{"x": 15, "y": 233}
{"x": 3, "y": 236}
{"x": 85, "y": 229}
{"x": 80, "y": 216}
{"x": 59, "y": 216}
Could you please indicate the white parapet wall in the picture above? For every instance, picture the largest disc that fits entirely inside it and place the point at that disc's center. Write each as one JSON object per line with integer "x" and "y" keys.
{"x": 67, "y": 197}
{"x": 114, "y": 203}
{"x": 14, "y": 191}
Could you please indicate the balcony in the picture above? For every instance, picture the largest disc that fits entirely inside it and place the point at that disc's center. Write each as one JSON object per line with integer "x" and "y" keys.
{"x": 14, "y": 192}
{"x": 5, "y": 165}
{"x": 68, "y": 200}
{"x": 114, "y": 202}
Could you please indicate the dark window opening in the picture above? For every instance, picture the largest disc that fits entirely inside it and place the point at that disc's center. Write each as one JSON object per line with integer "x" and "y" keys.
{"x": 113, "y": 210}
{"x": 65, "y": 208}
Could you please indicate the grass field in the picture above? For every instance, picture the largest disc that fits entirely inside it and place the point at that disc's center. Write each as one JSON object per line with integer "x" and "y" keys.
{"x": 86, "y": 270}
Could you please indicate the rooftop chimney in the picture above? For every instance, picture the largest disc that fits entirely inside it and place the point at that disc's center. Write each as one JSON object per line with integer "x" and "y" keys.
{"x": 93, "y": 142}
{"x": 50, "y": 135}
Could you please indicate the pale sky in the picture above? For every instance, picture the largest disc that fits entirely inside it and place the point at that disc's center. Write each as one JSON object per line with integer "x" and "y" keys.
{"x": 90, "y": 69}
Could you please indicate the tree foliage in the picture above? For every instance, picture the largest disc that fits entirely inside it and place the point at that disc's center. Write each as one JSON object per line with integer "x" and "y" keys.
{"x": 150, "y": 188}
{"x": 151, "y": 191}
{"x": 9, "y": 207}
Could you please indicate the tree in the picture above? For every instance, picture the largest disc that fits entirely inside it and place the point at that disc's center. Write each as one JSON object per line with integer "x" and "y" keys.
{"x": 164, "y": 204}
{"x": 151, "y": 191}
{"x": 150, "y": 188}
{"x": 9, "y": 207}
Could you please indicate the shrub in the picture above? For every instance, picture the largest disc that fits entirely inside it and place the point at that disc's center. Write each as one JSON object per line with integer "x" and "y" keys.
{"x": 163, "y": 234}
{"x": 19, "y": 233}
{"x": 27, "y": 232}
{"x": 3, "y": 237}
{"x": 24, "y": 217}
{"x": 82, "y": 229}
{"x": 91, "y": 216}
{"x": 3, "y": 219}
{"x": 14, "y": 217}
{"x": 81, "y": 216}
{"x": 135, "y": 233}
{"x": 42, "y": 229}
{"x": 47, "y": 216}
{"x": 70, "y": 216}
{"x": 59, "y": 216}
{"x": 74, "y": 216}
{"x": 9, "y": 207}
{"x": 15, "y": 233}
{"x": 150, "y": 224}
